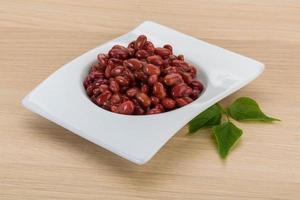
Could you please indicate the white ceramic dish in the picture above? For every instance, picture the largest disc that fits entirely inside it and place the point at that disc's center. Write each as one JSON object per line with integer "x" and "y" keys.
{"x": 61, "y": 97}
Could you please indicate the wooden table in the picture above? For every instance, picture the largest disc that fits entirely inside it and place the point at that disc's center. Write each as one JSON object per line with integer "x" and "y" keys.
{"x": 40, "y": 160}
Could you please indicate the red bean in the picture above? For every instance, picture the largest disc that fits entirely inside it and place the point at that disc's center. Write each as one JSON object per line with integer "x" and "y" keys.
{"x": 154, "y": 111}
{"x": 145, "y": 89}
{"x": 133, "y": 64}
{"x": 180, "y": 57}
{"x": 159, "y": 90}
{"x": 154, "y": 100}
{"x": 152, "y": 79}
{"x": 169, "y": 47}
{"x": 163, "y": 52}
{"x": 117, "y": 71}
{"x": 140, "y": 42}
{"x": 156, "y": 60}
{"x": 179, "y": 90}
{"x": 102, "y": 59}
{"x": 186, "y": 77}
{"x": 151, "y": 69}
{"x": 115, "y": 99}
{"x": 103, "y": 88}
{"x": 181, "y": 102}
{"x": 143, "y": 99}
{"x": 122, "y": 80}
{"x": 141, "y": 54}
{"x": 168, "y": 103}
{"x": 173, "y": 79}
{"x": 118, "y": 53}
{"x": 131, "y": 92}
{"x": 197, "y": 85}
{"x": 114, "y": 86}
{"x": 126, "y": 108}
{"x": 103, "y": 98}
{"x": 149, "y": 47}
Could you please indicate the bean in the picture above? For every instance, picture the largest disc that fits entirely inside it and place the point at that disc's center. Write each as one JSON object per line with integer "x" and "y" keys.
{"x": 122, "y": 80}
{"x": 143, "y": 99}
{"x": 156, "y": 60}
{"x": 181, "y": 102}
{"x": 168, "y": 103}
{"x": 152, "y": 79}
{"x": 141, "y": 54}
{"x": 153, "y": 111}
{"x": 163, "y": 52}
{"x": 173, "y": 79}
{"x": 151, "y": 69}
{"x": 103, "y": 98}
{"x": 126, "y": 108}
{"x": 114, "y": 86}
{"x": 154, "y": 100}
{"x": 133, "y": 64}
{"x": 159, "y": 90}
{"x": 140, "y": 42}
{"x": 169, "y": 47}
{"x": 131, "y": 92}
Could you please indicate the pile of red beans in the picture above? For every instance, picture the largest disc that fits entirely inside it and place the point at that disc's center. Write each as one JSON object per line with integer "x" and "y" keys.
{"x": 142, "y": 79}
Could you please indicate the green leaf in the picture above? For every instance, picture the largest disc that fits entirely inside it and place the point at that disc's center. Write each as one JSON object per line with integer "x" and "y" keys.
{"x": 246, "y": 109}
{"x": 226, "y": 135}
{"x": 208, "y": 118}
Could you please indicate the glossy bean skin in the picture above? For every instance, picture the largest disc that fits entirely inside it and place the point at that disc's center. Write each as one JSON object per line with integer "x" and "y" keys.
{"x": 163, "y": 52}
{"x": 159, "y": 90}
{"x": 143, "y": 99}
{"x": 141, "y": 79}
{"x": 151, "y": 69}
{"x": 173, "y": 79}
{"x": 155, "y": 60}
{"x": 168, "y": 103}
{"x": 126, "y": 108}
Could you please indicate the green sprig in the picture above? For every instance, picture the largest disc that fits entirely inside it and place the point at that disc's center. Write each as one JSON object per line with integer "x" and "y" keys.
{"x": 226, "y": 133}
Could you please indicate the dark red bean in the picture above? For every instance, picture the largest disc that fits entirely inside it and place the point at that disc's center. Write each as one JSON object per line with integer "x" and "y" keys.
{"x": 149, "y": 47}
{"x": 103, "y": 98}
{"x": 114, "y": 108}
{"x": 163, "y": 52}
{"x": 173, "y": 79}
{"x": 89, "y": 90}
{"x": 181, "y": 102}
{"x": 159, "y": 90}
{"x": 118, "y": 53}
{"x": 169, "y": 47}
{"x": 195, "y": 94}
{"x": 196, "y": 85}
{"x": 122, "y": 80}
{"x": 115, "y": 98}
{"x": 117, "y": 71}
{"x": 103, "y": 88}
{"x": 102, "y": 59}
{"x": 180, "y": 57}
{"x": 140, "y": 42}
{"x": 152, "y": 79}
{"x": 143, "y": 99}
{"x": 154, "y": 111}
{"x": 154, "y": 100}
{"x": 168, "y": 103}
{"x": 186, "y": 77}
{"x": 114, "y": 86}
{"x": 188, "y": 99}
{"x": 126, "y": 108}
{"x": 145, "y": 89}
{"x": 141, "y": 54}
{"x": 179, "y": 90}
{"x": 156, "y": 60}
{"x": 151, "y": 69}
{"x": 131, "y": 92}
{"x": 133, "y": 64}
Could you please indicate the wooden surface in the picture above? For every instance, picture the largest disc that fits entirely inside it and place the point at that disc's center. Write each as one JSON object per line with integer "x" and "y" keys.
{"x": 40, "y": 160}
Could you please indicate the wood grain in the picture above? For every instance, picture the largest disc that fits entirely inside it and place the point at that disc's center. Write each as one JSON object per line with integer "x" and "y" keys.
{"x": 40, "y": 160}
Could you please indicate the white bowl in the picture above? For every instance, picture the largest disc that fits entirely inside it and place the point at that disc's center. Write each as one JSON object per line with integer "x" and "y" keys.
{"x": 61, "y": 97}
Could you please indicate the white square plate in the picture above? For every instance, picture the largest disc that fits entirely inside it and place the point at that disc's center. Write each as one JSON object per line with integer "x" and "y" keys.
{"x": 61, "y": 97}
